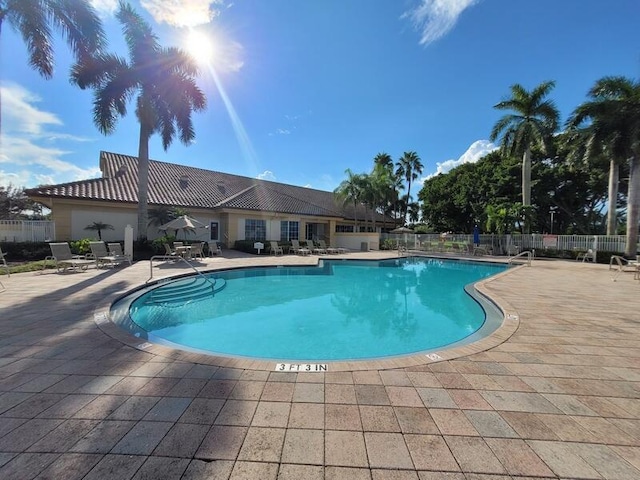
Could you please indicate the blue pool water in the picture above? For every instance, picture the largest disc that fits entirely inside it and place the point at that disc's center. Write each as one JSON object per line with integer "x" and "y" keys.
{"x": 339, "y": 310}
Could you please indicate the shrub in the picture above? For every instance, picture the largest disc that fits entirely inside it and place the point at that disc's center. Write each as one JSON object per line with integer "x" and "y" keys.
{"x": 25, "y": 251}
{"x": 80, "y": 247}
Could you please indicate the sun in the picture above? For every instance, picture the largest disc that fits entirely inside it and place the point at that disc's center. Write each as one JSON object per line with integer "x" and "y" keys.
{"x": 200, "y": 47}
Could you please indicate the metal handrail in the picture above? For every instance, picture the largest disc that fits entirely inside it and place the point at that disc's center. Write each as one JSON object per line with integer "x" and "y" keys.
{"x": 526, "y": 253}
{"x": 176, "y": 257}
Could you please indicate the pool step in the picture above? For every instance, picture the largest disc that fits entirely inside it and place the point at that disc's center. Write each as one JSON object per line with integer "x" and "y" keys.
{"x": 184, "y": 291}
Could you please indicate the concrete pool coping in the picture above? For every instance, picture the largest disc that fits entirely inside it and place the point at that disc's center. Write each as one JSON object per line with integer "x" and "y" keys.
{"x": 508, "y": 325}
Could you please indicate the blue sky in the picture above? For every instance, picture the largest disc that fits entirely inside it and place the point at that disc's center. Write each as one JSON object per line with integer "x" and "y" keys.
{"x": 307, "y": 89}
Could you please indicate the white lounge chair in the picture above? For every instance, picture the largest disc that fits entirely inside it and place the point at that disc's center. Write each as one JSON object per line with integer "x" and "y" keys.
{"x": 621, "y": 264}
{"x": 589, "y": 255}
{"x": 314, "y": 249}
{"x": 297, "y": 249}
{"x": 102, "y": 257}
{"x": 63, "y": 258}
{"x": 4, "y": 262}
{"x": 329, "y": 250}
{"x": 276, "y": 249}
{"x": 116, "y": 249}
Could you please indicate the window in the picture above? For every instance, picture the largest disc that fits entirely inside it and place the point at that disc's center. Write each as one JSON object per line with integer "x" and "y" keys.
{"x": 288, "y": 231}
{"x": 255, "y": 229}
{"x": 214, "y": 232}
{"x": 344, "y": 228}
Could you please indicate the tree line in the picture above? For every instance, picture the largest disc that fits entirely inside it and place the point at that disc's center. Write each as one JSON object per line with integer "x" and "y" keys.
{"x": 582, "y": 180}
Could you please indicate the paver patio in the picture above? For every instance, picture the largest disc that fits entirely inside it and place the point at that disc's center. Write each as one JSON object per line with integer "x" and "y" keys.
{"x": 559, "y": 398}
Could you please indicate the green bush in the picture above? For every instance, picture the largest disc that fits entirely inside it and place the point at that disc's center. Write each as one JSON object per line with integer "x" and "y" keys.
{"x": 158, "y": 244}
{"x": 25, "y": 251}
{"x": 387, "y": 244}
{"x": 81, "y": 247}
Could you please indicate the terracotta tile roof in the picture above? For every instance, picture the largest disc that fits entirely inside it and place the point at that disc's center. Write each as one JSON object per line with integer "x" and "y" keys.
{"x": 182, "y": 186}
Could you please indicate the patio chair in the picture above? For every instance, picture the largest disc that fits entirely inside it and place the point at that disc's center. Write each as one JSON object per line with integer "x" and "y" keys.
{"x": 214, "y": 249}
{"x": 196, "y": 250}
{"x": 116, "y": 249}
{"x": 102, "y": 257}
{"x": 4, "y": 262}
{"x": 276, "y": 249}
{"x": 63, "y": 258}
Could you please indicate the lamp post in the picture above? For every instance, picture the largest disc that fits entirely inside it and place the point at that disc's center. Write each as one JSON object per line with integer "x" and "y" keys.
{"x": 552, "y": 212}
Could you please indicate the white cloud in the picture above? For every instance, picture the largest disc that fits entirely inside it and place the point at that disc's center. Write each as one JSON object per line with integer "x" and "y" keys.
{"x": 475, "y": 152}
{"x": 28, "y": 146}
{"x": 267, "y": 175}
{"x": 105, "y": 7}
{"x": 435, "y": 18}
{"x": 183, "y": 13}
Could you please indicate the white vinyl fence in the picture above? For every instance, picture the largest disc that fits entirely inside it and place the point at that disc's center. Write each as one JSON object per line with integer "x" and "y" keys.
{"x": 502, "y": 243}
{"x": 27, "y": 231}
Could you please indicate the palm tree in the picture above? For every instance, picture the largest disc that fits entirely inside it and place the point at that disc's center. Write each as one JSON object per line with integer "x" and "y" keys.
{"x": 163, "y": 80}
{"x": 410, "y": 168}
{"x": 531, "y": 125}
{"x": 614, "y": 113}
{"x": 99, "y": 226}
{"x": 77, "y": 21}
{"x": 350, "y": 190}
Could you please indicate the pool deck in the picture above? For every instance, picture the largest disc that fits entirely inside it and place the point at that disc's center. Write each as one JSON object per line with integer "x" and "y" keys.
{"x": 554, "y": 393}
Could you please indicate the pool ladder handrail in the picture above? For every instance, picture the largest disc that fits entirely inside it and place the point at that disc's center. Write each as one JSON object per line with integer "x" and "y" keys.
{"x": 177, "y": 257}
{"x": 526, "y": 253}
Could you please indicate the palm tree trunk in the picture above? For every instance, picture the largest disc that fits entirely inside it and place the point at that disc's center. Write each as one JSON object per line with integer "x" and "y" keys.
{"x": 406, "y": 208}
{"x": 355, "y": 218}
{"x": 526, "y": 178}
{"x": 143, "y": 182}
{"x": 526, "y": 186}
{"x": 633, "y": 206}
{"x": 614, "y": 173}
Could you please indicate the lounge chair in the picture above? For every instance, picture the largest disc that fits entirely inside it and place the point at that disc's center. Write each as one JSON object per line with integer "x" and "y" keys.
{"x": 621, "y": 264}
{"x": 311, "y": 246}
{"x": 297, "y": 249}
{"x": 214, "y": 249}
{"x": 589, "y": 255}
{"x": 116, "y": 249}
{"x": 4, "y": 262}
{"x": 63, "y": 258}
{"x": 102, "y": 257}
{"x": 329, "y": 250}
{"x": 276, "y": 249}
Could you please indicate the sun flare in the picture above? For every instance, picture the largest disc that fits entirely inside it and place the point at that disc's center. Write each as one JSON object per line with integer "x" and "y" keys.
{"x": 200, "y": 47}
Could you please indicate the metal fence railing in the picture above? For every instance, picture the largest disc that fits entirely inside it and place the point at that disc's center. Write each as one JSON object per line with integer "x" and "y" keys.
{"x": 504, "y": 243}
{"x": 27, "y": 231}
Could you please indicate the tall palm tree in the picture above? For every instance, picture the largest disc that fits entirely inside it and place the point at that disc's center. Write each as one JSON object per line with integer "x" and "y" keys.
{"x": 350, "y": 190}
{"x": 409, "y": 167}
{"x": 591, "y": 144}
{"x": 614, "y": 113}
{"x": 76, "y": 20}
{"x": 534, "y": 120}
{"x": 163, "y": 80}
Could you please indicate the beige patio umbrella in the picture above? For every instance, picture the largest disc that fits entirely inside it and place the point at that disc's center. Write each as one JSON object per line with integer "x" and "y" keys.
{"x": 185, "y": 223}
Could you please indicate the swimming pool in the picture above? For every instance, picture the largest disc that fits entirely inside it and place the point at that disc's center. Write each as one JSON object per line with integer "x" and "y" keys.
{"x": 339, "y": 310}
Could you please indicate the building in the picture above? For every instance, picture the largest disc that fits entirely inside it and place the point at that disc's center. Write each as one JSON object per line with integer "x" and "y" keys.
{"x": 234, "y": 207}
